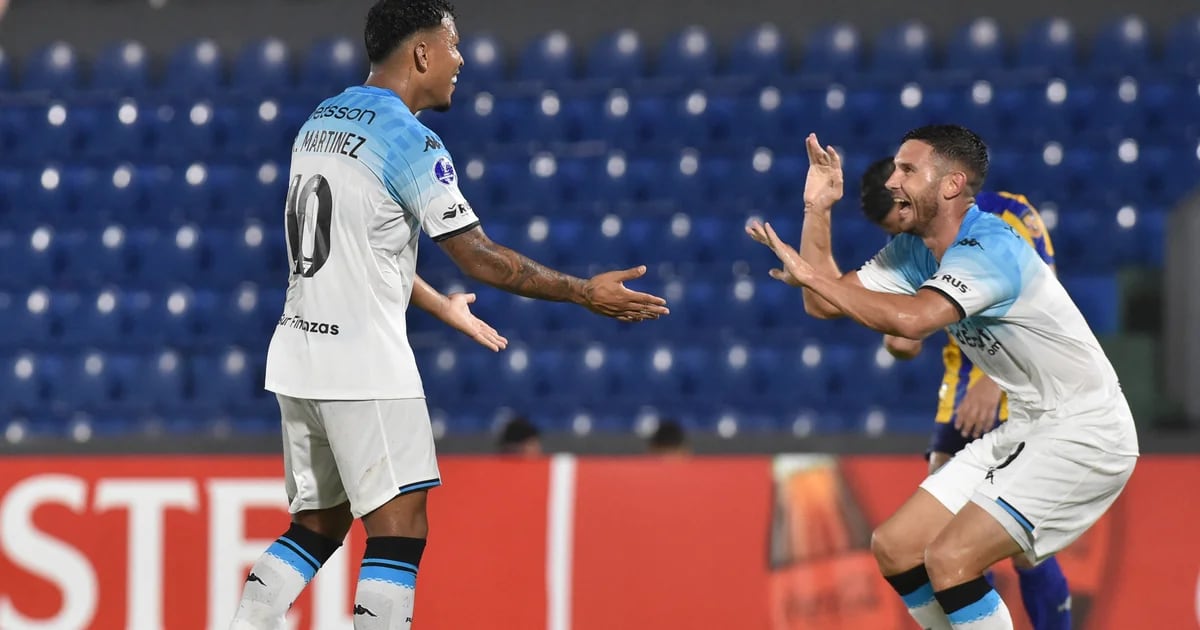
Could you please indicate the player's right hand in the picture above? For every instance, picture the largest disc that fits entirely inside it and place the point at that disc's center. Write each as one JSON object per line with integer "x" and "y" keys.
{"x": 605, "y": 294}
{"x": 823, "y": 186}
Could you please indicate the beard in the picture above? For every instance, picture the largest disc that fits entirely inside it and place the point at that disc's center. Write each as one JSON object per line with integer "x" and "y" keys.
{"x": 925, "y": 210}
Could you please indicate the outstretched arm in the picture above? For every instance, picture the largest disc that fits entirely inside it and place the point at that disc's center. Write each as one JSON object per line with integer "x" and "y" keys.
{"x": 910, "y": 316}
{"x": 491, "y": 263}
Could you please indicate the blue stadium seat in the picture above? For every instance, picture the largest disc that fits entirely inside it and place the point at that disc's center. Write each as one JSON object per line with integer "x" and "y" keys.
{"x": 262, "y": 67}
{"x": 185, "y": 130}
{"x": 1048, "y": 46}
{"x": 548, "y": 60}
{"x": 333, "y": 64}
{"x": 976, "y": 48}
{"x": 84, "y": 382}
{"x": 93, "y": 319}
{"x": 1116, "y": 112}
{"x": 1181, "y": 52}
{"x": 54, "y": 68}
{"x": 28, "y": 315}
{"x": 833, "y": 50}
{"x": 902, "y": 51}
{"x": 122, "y": 131}
{"x": 1097, "y": 299}
{"x": 123, "y": 68}
{"x": 163, "y": 258}
{"x": 689, "y": 54}
{"x": 156, "y": 379}
{"x": 256, "y": 129}
{"x": 195, "y": 68}
{"x": 47, "y": 132}
{"x": 33, "y": 252}
{"x": 618, "y": 57}
{"x": 1121, "y": 47}
{"x": 226, "y": 378}
{"x": 22, "y": 382}
{"x": 483, "y": 62}
{"x": 156, "y": 319}
{"x": 760, "y": 53}
{"x": 240, "y": 254}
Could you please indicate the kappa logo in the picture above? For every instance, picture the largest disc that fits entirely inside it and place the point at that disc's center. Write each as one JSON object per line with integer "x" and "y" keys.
{"x": 359, "y": 609}
{"x": 431, "y": 143}
{"x": 970, "y": 242}
{"x": 255, "y": 578}
{"x": 443, "y": 170}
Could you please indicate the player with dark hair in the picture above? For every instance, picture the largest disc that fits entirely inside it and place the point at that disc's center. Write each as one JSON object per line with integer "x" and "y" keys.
{"x": 970, "y": 403}
{"x": 1037, "y": 482}
{"x": 520, "y": 437}
{"x": 668, "y": 438}
{"x": 366, "y": 178}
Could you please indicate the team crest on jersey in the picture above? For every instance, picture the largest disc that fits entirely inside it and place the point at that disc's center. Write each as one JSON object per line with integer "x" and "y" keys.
{"x": 443, "y": 170}
{"x": 1033, "y": 225}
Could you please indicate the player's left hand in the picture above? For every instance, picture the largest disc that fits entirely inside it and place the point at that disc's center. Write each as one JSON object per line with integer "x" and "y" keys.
{"x": 796, "y": 271}
{"x": 977, "y": 411}
{"x": 457, "y": 314}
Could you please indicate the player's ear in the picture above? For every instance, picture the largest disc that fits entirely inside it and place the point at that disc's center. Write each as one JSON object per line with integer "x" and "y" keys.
{"x": 421, "y": 56}
{"x": 954, "y": 184}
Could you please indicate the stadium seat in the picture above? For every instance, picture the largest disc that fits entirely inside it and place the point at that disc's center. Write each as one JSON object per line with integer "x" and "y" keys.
{"x": 1182, "y": 49}
{"x": 547, "y": 60}
{"x": 164, "y": 258}
{"x": 262, "y": 67}
{"x": 195, "y": 68}
{"x": 223, "y": 378}
{"x": 122, "y": 68}
{"x": 618, "y": 57}
{"x": 760, "y": 52}
{"x": 333, "y": 64}
{"x": 834, "y": 50}
{"x": 1096, "y": 297}
{"x": 28, "y": 315}
{"x": 89, "y": 320}
{"x": 1121, "y": 47}
{"x": 1048, "y": 46}
{"x": 902, "y": 51}
{"x": 976, "y": 48}
{"x": 53, "y": 68}
{"x": 689, "y": 54}
{"x": 483, "y": 62}
{"x": 83, "y": 383}
{"x": 33, "y": 252}
{"x": 22, "y": 383}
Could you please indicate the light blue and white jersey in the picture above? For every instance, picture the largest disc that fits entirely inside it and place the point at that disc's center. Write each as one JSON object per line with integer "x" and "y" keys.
{"x": 1017, "y": 323}
{"x": 366, "y": 178}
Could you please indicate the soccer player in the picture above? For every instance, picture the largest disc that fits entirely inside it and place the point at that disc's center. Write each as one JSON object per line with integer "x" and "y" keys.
{"x": 969, "y": 402}
{"x": 1038, "y": 481}
{"x": 520, "y": 437}
{"x": 366, "y": 178}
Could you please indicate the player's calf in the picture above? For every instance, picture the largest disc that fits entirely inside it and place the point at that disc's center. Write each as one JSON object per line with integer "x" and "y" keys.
{"x": 279, "y": 575}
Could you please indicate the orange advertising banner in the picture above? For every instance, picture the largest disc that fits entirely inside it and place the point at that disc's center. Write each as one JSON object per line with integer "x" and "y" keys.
{"x": 585, "y": 543}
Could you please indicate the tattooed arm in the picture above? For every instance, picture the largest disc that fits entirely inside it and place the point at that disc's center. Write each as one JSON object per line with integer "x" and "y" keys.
{"x": 491, "y": 263}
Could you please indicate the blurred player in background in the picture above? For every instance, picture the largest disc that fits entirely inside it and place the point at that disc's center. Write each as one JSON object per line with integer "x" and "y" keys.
{"x": 970, "y": 403}
{"x": 669, "y": 439}
{"x": 366, "y": 178}
{"x": 1037, "y": 482}
{"x": 520, "y": 436}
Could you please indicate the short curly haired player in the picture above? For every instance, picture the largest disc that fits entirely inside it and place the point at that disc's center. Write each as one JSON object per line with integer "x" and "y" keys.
{"x": 969, "y": 401}
{"x": 367, "y": 177}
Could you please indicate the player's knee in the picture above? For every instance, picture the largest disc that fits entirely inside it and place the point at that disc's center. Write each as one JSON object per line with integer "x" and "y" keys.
{"x": 947, "y": 564}
{"x": 403, "y": 516}
{"x": 893, "y": 553}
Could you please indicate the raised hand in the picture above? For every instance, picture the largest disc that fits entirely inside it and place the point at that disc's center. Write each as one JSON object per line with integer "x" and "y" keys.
{"x": 457, "y": 314}
{"x": 605, "y": 294}
{"x": 796, "y": 271}
{"x": 823, "y": 186}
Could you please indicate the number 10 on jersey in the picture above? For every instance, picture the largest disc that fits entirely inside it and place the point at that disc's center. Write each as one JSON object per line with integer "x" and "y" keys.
{"x": 309, "y": 215}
